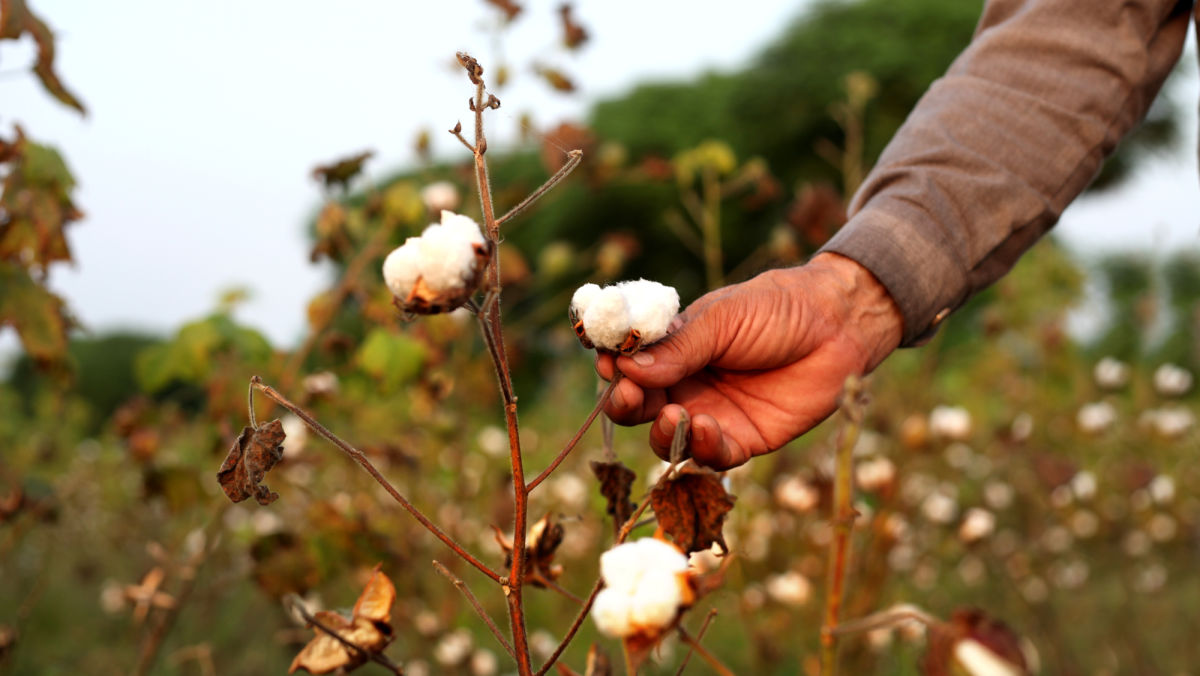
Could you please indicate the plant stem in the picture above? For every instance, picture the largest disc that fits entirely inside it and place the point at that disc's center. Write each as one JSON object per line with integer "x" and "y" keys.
{"x": 579, "y": 618}
{"x": 494, "y": 334}
{"x": 562, "y": 455}
{"x": 487, "y": 619}
{"x": 842, "y": 522}
{"x": 699, "y": 636}
{"x": 703, "y": 652}
{"x": 362, "y": 460}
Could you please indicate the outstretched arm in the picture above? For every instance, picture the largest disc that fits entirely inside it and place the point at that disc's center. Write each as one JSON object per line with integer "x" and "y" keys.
{"x": 982, "y": 168}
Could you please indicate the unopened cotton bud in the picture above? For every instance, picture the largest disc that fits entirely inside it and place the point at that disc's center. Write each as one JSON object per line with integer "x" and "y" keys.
{"x": 1111, "y": 373}
{"x": 1171, "y": 380}
{"x": 950, "y": 422}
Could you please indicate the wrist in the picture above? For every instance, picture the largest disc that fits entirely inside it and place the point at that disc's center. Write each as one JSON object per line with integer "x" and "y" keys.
{"x": 868, "y": 318}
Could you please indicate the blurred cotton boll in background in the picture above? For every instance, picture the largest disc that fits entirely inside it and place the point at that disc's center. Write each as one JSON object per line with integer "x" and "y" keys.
{"x": 440, "y": 196}
{"x": 950, "y": 422}
{"x": 1096, "y": 417}
{"x": 1111, "y": 374}
{"x": 1172, "y": 381}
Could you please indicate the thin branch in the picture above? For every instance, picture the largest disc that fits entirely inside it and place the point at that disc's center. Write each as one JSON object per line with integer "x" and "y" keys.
{"x": 362, "y": 460}
{"x": 843, "y": 522}
{"x": 712, "y": 612}
{"x": 579, "y": 618}
{"x": 293, "y": 603}
{"x": 891, "y": 617}
{"x": 574, "y": 157}
{"x": 562, "y": 455}
{"x": 487, "y": 619}
{"x": 703, "y": 652}
{"x": 556, "y": 587}
{"x": 457, "y": 132}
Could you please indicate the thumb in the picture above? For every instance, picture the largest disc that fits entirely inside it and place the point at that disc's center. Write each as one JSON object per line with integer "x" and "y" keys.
{"x": 693, "y": 342}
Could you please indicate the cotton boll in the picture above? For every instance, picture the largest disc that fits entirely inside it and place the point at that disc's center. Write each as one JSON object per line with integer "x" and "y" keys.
{"x": 402, "y": 267}
{"x": 656, "y": 599}
{"x": 462, "y": 227}
{"x": 1171, "y": 380}
{"x": 447, "y": 259}
{"x": 440, "y": 196}
{"x": 652, "y": 306}
{"x": 606, "y": 320}
{"x": 583, "y": 298}
{"x": 610, "y": 611}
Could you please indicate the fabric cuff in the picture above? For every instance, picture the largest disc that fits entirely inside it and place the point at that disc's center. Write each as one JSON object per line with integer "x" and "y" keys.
{"x": 917, "y": 269}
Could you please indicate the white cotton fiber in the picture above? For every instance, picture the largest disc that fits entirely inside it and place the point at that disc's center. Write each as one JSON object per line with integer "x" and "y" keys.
{"x": 443, "y": 257}
{"x": 402, "y": 267}
{"x": 606, "y": 319}
{"x": 645, "y": 585}
{"x": 609, "y": 314}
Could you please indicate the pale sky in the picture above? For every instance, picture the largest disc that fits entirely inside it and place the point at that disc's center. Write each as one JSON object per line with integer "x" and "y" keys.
{"x": 205, "y": 119}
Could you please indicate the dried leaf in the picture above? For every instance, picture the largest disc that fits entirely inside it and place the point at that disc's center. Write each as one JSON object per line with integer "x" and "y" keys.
{"x": 342, "y": 171}
{"x": 8, "y": 639}
{"x": 253, "y": 454}
{"x": 510, "y": 8}
{"x": 540, "y": 545}
{"x": 616, "y": 485}
{"x": 369, "y": 629}
{"x": 691, "y": 508}
{"x": 574, "y": 35}
{"x": 557, "y": 80}
{"x": 16, "y": 20}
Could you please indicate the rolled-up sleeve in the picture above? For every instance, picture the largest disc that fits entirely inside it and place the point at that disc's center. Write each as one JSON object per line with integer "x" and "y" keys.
{"x": 1000, "y": 145}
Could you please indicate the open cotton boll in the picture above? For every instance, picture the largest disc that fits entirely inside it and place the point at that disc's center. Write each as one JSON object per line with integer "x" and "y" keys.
{"x": 463, "y": 227}
{"x": 402, "y": 267}
{"x": 645, "y": 586}
{"x": 606, "y": 319}
{"x": 623, "y": 317}
{"x": 447, "y": 259}
{"x": 583, "y": 298}
{"x": 652, "y": 306}
{"x": 611, "y": 613}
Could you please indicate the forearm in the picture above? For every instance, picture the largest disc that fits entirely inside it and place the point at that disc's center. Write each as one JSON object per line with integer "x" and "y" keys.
{"x": 998, "y": 147}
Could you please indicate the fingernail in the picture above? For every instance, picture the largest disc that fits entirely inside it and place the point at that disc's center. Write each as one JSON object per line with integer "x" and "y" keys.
{"x": 643, "y": 359}
{"x": 697, "y": 434}
{"x": 665, "y": 426}
{"x": 618, "y": 399}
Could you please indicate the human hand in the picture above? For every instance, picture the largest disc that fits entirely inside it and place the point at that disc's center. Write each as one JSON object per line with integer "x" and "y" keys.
{"x": 757, "y": 364}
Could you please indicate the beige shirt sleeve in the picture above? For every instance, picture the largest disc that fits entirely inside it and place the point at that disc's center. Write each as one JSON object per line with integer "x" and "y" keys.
{"x": 999, "y": 146}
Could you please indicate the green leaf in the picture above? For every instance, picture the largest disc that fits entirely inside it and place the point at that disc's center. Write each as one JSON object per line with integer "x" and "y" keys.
{"x": 192, "y": 355}
{"x": 39, "y": 317}
{"x": 392, "y": 358}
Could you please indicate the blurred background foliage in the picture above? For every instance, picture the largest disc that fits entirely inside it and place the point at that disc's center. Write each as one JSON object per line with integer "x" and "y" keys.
{"x": 118, "y": 552}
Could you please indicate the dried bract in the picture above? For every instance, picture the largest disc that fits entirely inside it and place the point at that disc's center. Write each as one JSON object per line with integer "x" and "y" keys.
{"x": 253, "y": 454}
{"x": 368, "y": 628}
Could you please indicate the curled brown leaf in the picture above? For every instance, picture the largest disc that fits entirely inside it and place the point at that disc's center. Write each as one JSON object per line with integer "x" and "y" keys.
{"x": 691, "y": 508}
{"x": 253, "y": 454}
